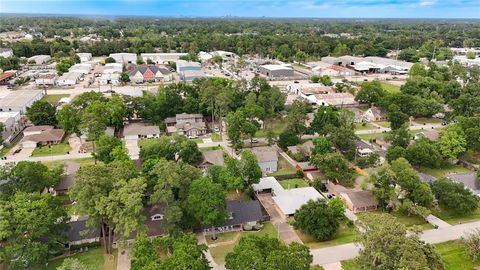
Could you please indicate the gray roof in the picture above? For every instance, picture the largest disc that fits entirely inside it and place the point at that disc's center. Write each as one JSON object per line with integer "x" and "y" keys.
{"x": 69, "y": 177}
{"x": 427, "y": 178}
{"x": 307, "y": 146}
{"x": 265, "y": 153}
{"x": 79, "y": 226}
{"x": 468, "y": 179}
{"x": 362, "y": 144}
{"x": 19, "y": 98}
{"x": 140, "y": 129}
{"x": 154, "y": 69}
{"x": 360, "y": 198}
{"x": 214, "y": 157}
{"x": 243, "y": 212}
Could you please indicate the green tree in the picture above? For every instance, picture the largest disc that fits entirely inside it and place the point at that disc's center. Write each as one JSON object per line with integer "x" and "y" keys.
{"x": 185, "y": 252}
{"x": 317, "y": 219}
{"x": 69, "y": 119}
{"x": 326, "y": 80}
{"x": 454, "y": 196}
{"x": 399, "y": 137}
{"x": 288, "y": 137}
{"x": 324, "y": 119}
{"x": 109, "y": 60}
{"x": 388, "y": 244}
{"x": 33, "y": 226}
{"x": 235, "y": 122}
{"x": 394, "y": 153}
{"x": 105, "y": 146}
{"x": 341, "y": 49}
{"x": 452, "y": 142}
{"x": 206, "y": 201}
{"x": 117, "y": 111}
{"x": 188, "y": 151}
{"x": 472, "y": 242}
{"x": 322, "y": 146}
{"x": 407, "y": 178}
{"x": 334, "y": 167}
{"x": 42, "y": 113}
{"x": 470, "y": 55}
{"x": 423, "y": 152}
{"x": 384, "y": 181}
{"x": 370, "y": 93}
{"x": 145, "y": 254}
{"x": 396, "y": 117}
{"x": 249, "y": 168}
{"x": 29, "y": 177}
{"x": 112, "y": 198}
{"x": 94, "y": 121}
{"x": 124, "y": 78}
{"x": 255, "y": 252}
{"x": 296, "y": 117}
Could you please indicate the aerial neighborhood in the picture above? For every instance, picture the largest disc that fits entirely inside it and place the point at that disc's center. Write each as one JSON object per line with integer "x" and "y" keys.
{"x": 228, "y": 144}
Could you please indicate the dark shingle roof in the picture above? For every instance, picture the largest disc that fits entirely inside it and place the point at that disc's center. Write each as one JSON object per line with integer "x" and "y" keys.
{"x": 76, "y": 229}
{"x": 243, "y": 212}
{"x": 67, "y": 180}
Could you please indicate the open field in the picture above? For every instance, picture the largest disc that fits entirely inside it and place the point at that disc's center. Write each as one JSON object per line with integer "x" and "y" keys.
{"x": 54, "y": 98}
{"x": 391, "y": 88}
{"x": 442, "y": 172}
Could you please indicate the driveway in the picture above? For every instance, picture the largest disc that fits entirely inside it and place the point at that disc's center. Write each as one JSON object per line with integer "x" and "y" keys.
{"x": 285, "y": 231}
{"x": 435, "y": 221}
{"x": 133, "y": 149}
{"x": 123, "y": 261}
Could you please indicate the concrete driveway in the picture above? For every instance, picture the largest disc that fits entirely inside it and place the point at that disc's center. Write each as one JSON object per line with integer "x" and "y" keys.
{"x": 123, "y": 261}
{"x": 285, "y": 231}
{"x": 133, "y": 149}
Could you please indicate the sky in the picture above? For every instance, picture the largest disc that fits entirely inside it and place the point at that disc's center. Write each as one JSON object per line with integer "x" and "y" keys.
{"x": 252, "y": 8}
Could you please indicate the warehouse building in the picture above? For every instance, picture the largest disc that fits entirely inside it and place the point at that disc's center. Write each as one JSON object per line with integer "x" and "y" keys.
{"x": 69, "y": 78}
{"x": 20, "y": 100}
{"x": 162, "y": 58}
{"x": 40, "y": 59}
{"x": 81, "y": 68}
{"x": 276, "y": 71}
{"x": 84, "y": 57}
{"x": 124, "y": 58}
{"x": 183, "y": 65}
{"x": 46, "y": 80}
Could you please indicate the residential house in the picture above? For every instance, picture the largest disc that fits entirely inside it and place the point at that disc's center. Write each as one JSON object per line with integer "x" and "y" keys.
{"x": 190, "y": 125}
{"x": 469, "y": 180}
{"x": 241, "y": 213}
{"x": 209, "y": 158}
{"x": 359, "y": 200}
{"x": 267, "y": 157}
{"x": 142, "y": 74}
{"x": 41, "y": 135}
{"x": 374, "y": 114}
{"x": 276, "y": 71}
{"x": 67, "y": 179}
{"x": 307, "y": 147}
{"x": 363, "y": 148}
{"x": 20, "y": 100}
{"x": 135, "y": 131}
{"x": 80, "y": 234}
{"x": 287, "y": 200}
{"x": 84, "y": 57}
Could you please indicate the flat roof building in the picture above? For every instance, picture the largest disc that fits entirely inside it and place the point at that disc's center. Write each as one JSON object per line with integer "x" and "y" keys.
{"x": 276, "y": 71}
{"x": 18, "y": 101}
{"x": 124, "y": 58}
{"x": 190, "y": 75}
{"x": 84, "y": 57}
{"x": 70, "y": 78}
{"x": 162, "y": 58}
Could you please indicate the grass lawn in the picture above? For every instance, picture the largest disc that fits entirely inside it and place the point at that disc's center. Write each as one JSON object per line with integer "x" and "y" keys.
{"x": 384, "y": 124}
{"x": 219, "y": 252}
{"x": 211, "y": 148}
{"x": 216, "y": 137}
{"x": 454, "y": 256}
{"x": 316, "y": 267}
{"x": 53, "y": 150}
{"x": 364, "y": 126}
{"x": 197, "y": 141}
{"x": 391, "y": 88}
{"x": 222, "y": 237}
{"x": 5, "y": 150}
{"x": 472, "y": 157}
{"x": 94, "y": 258}
{"x": 344, "y": 235}
{"x": 277, "y": 126}
{"x": 53, "y": 99}
{"x": 283, "y": 168}
{"x": 294, "y": 183}
{"x": 404, "y": 218}
{"x": 371, "y": 136}
{"x": 424, "y": 120}
{"x": 350, "y": 265}
{"x": 441, "y": 172}
{"x": 454, "y": 218}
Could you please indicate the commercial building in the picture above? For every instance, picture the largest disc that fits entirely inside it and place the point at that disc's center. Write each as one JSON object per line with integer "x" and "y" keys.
{"x": 20, "y": 100}
{"x": 124, "y": 58}
{"x": 12, "y": 125}
{"x": 142, "y": 74}
{"x": 6, "y": 77}
{"x": 183, "y": 65}
{"x": 84, "y": 68}
{"x": 190, "y": 75}
{"x": 113, "y": 68}
{"x": 162, "y": 58}
{"x": 70, "y": 78}
{"x": 370, "y": 64}
{"x": 276, "y": 71}
{"x": 6, "y": 52}
{"x": 84, "y": 57}
{"x": 287, "y": 200}
{"x": 318, "y": 94}
{"x": 110, "y": 78}
{"x": 40, "y": 59}
{"x": 46, "y": 80}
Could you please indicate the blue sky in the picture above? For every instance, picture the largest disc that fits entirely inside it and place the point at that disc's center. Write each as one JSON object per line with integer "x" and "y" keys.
{"x": 253, "y": 8}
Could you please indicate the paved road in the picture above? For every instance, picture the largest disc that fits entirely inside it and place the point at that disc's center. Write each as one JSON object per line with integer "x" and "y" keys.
{"x": 47, "y": 158}
{"x": 327, "y": 255}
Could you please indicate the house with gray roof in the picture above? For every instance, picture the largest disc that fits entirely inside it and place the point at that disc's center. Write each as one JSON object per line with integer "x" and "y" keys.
{"x": 359, "y": 200}
{"x": 135, "y": 131}
{"x": 267, "y": 158}
{"x": 67, "y": 179}
{"x": 209, "y": 158}
{"x": 470, "y": 180}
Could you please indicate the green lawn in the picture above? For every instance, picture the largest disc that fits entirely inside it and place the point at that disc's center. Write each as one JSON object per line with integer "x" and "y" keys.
{"x": 350, "y": 265}
{"x": 404, "y": 218}
{"x": 441, "y": 172}
{"x": 283, "y": 168}
{"x": 94, "y": 258}
{"x": 391, "y": 88}
{"x": 197, "y": 141}
{"x": 364, "y": 126}
{"x": 53, "y": 99}
{"x": 371, "y": 136}
{"x": 277, "y": 126}
{"x": 384, "y": 124}
{"x": 222, "y": 237}
{"x": 454, "y": 256}
{"x": 53, "y": 150}
{"x": 216, "y": 137}
{"x": 211, "y": 148}
{"x": 219, "y": 252}
{"x": 344, "y": 235}
{"x": 454, "y": 218}
{"x": 316, "y": 267}
{"x": 424, "y": 120}
{"x": 294, "y": 183}
{"x": 5, "y": 150}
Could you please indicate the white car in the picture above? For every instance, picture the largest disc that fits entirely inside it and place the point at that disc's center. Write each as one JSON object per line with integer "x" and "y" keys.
{"x": 192, "y": 137}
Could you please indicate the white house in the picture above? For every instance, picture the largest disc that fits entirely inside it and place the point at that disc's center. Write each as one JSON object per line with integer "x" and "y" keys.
{"x": 50, "y": 79}
{"x": 6, "y": 52}
{"x": 135, "y": 131}
{"x": 110, "y": 78}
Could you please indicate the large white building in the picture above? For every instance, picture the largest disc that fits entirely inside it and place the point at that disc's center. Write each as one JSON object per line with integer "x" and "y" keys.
{"x": 84, "y": 57}
{"x": 20, "y": 100}
{"x": 6, "y": 52}
{"x": 183, "y": 65}
{"x": 69, "y": 78}
{"x": 110, "y": 78}
{"x": 276, "y": 71}
{"x": 12, "y": 125}
{"x": 49, "y": 79}
{"x": 40, "y": 59}
{"x": 162, "y": 58}
{"x": 113, "y": 68}
{"x": 84, "y": 68}
{"x": 124, "y": 58}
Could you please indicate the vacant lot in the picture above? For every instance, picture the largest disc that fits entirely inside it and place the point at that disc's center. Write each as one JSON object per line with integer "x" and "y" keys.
{"x": 346, "y": 234}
